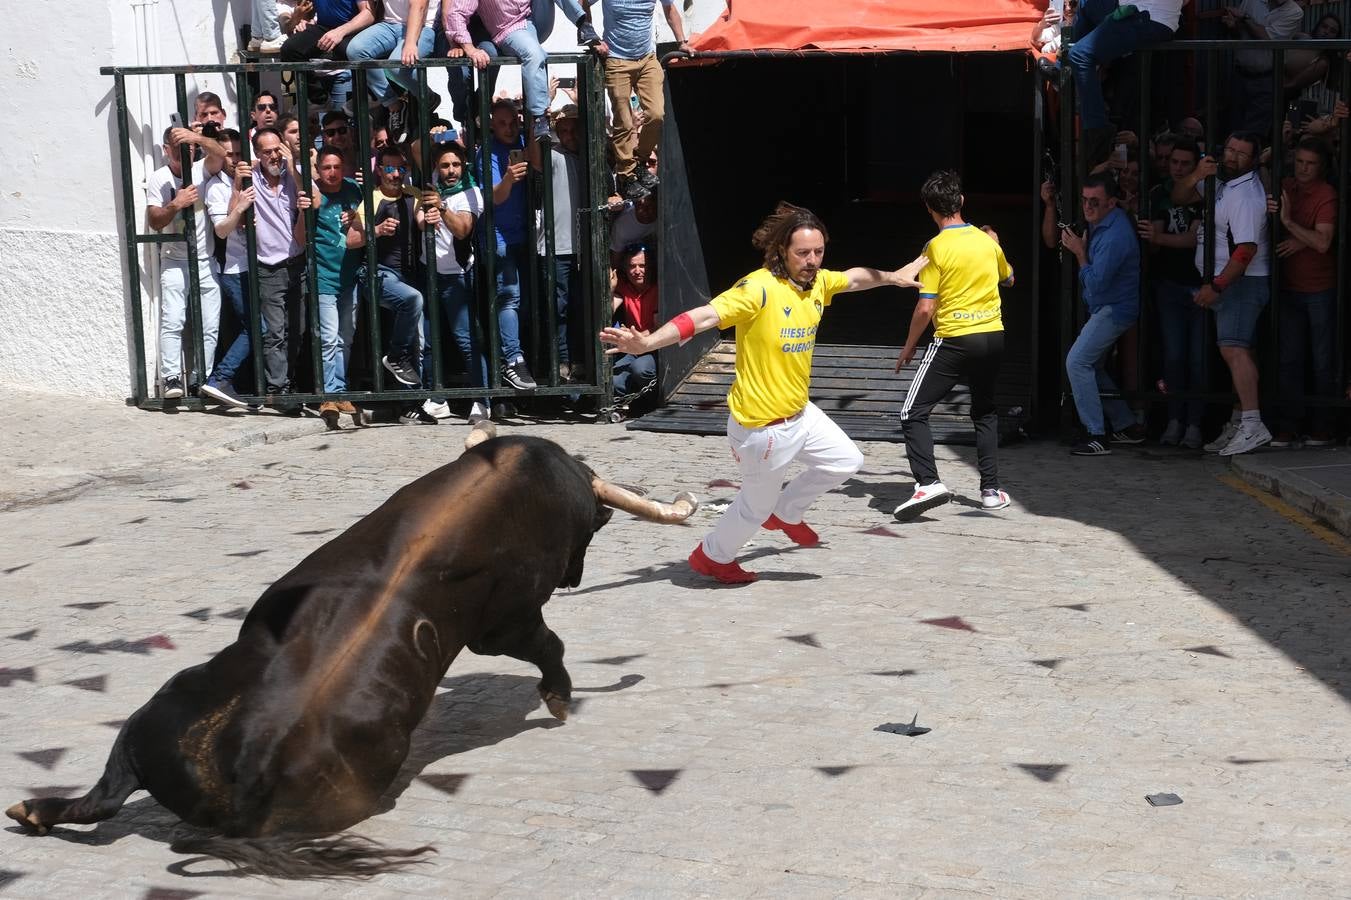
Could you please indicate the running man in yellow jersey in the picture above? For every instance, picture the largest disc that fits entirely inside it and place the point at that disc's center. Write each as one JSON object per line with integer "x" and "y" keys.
{"x": 959, "y": 292}
{"x": 776, "y": 311}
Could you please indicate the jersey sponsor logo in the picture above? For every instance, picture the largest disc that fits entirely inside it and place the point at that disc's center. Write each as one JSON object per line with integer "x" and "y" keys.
{"x": 819, "y": 306}
{"x": 973, "y": 315}
{"x": 787, "y": 311}
{"x": 799, "y": 346}
{"x": 797, "y": 332}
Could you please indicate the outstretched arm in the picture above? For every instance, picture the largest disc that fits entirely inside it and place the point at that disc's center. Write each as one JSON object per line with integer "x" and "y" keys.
{"x": 623, "y": 339}
{"x": 862, "y": 278}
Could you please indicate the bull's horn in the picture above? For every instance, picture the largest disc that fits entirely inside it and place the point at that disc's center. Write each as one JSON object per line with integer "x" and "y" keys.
{"x": 678, "y": 510}
{"x": 483, "y": 431}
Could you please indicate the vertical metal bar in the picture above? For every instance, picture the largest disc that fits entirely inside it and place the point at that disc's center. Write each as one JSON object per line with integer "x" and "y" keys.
{"x": 1339, "y": 312}
{"x": 130, "y": 247}
{"x": 255, "y": 306}
{"x": 431, "y": 300}
{"x": 546, "y": 162}
{"x": 311, "y": 294}
{"x": 1144, "y": 141}
{"x": 529, "y": 312}
{"x": 363, "y": 143}
{"x": 1208, "y": 198}
{"x": 487, "y": 264}
{"x": 1069, "y": 201}
{"x": 597, "y": 279}
{"x": 194, "y": 322}
{"x": 1271, "y": 358}
{"x": 1212, "y": 81}
{"x": 1038, "y": 138}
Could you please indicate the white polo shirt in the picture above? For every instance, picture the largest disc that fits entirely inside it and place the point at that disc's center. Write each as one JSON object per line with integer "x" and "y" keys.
{"x": 160, "y": 187}
{"x": 1240, "y": 218}
{"x": 1165, "y": 12}
{"x": 218, "y": 194}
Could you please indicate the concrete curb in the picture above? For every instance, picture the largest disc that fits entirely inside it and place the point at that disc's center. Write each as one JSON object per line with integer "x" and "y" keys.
{"x": 1300, "y": 491}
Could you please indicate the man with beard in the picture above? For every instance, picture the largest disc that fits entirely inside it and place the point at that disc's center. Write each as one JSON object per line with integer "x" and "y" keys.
{"x": 959, "y": 292}
{"x": 1238, "y": 288}
{"x": 279, "y": 230}
{"x": 776, "y": 311}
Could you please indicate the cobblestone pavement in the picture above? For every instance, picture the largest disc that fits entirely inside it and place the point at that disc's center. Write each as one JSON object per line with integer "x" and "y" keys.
{"x": 1132, "y": 625}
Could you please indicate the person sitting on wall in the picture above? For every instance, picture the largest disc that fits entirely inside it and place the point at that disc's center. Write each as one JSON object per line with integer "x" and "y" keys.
{"x": 634, "y": 305}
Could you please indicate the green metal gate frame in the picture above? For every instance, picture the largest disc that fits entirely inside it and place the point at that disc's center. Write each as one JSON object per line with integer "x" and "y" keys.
{"x": 541, "y": 320}
{"x": 1072, "y": 176}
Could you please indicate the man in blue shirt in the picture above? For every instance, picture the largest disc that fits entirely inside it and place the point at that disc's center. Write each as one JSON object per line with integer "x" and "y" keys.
{"x": 508, "y": 156}
{"x": 1109, "y": 273}
{"x": 632, "y": 68}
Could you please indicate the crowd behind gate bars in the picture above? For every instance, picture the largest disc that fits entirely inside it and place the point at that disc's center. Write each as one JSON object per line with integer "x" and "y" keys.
{"x": 461, "y": 216}
{"x": 1172, "y": 141}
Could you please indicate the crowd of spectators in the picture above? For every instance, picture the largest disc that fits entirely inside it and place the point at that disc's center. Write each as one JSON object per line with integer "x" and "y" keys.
{"x": 1148, "y": 262}
{"x": 377, "y": 195}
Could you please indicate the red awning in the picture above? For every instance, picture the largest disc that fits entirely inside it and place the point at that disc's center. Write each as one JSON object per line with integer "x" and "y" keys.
{"x": 869, "y": 26}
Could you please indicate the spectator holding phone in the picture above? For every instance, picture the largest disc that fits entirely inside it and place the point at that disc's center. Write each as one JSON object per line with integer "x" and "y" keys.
{"x": 396, "y": 252}
{"x": 506, "y": 159}
{"x": 229, "y": 197}
{"x": 169, "y": 194}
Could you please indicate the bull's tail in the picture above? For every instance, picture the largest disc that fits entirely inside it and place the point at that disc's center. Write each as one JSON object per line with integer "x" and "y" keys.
{"x": 299, "y": 856}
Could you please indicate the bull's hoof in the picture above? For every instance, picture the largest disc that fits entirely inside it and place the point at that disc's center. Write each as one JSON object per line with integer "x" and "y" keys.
{"x": 558, "y": 705}
{"x": 20, "y": 813}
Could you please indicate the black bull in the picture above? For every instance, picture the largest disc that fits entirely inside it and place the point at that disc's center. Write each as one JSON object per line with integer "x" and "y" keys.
{"x": 296, "y": 729}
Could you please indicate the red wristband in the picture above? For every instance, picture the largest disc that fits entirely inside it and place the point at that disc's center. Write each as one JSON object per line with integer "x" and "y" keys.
{"x": 684, "y": 326}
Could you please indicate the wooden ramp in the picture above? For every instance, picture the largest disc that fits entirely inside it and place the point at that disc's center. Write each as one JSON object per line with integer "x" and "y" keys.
{"x": 854, "y": 385}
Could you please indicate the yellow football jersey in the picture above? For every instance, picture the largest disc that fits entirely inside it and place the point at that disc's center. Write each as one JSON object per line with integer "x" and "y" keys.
{"x": 963, "y": 274}
{"x": 776, "y": 325}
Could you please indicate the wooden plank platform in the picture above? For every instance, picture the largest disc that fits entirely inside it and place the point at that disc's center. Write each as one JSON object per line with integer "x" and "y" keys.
{"x": 854, "y": 384}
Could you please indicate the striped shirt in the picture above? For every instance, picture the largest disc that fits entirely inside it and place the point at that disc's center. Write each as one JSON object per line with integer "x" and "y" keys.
{"x": 500, "y": 17}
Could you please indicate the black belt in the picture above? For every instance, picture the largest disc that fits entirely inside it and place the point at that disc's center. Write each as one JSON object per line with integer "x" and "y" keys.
{"x": 284, "y": 264}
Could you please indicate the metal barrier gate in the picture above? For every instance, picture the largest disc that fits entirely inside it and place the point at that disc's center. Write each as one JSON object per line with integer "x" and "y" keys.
{"x": 1210, "y": 53}
{"x": 539, "y": 314}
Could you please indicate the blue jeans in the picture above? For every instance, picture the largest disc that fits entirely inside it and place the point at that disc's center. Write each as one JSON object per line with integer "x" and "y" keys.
{"x": 1099, "y": 38}
{"x": 1086, "y": 366}
{"x": 1182, "y": 328}
{"x": 524, "y": 44}
{"x": 1239, "y": 308}
{"x": 405, "y": 301}
{"x": 456, "y": 300}
{"x": 565, "y": 286}
{"x": 384, "y": 40}
{"x": 633, "y": 373}
{"x": 511, "y": 260}
{"x": 263, "y": 20}
{"x": 234, "y": 287}
{"x": 1308, "y": 330}
{"x": 542, "y": 25}
{"x": 337, "y": 325}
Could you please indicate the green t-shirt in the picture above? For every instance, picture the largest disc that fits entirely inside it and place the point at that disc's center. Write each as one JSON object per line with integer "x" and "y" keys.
{"x": 337, "y": 265}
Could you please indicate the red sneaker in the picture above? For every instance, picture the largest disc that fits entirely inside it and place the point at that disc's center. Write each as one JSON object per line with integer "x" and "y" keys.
{"x": 800, "y": 534}
{"x": 727, "y": 573}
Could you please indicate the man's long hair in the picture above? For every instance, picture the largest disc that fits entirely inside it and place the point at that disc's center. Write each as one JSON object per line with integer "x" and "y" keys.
{"x": 777, "y": 230}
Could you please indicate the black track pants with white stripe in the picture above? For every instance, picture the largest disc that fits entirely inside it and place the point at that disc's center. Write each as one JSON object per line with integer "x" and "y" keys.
{"x": 972, "y": 359}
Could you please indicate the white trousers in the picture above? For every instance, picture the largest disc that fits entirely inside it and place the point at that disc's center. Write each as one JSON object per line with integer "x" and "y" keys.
{"x": 763, "y": 456}
{"x": 174, "y": 315}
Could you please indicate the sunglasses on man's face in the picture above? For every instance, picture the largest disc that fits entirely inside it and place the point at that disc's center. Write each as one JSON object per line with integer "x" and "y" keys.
{"x": 391, "y": 170}
{"x": 334, "y": 132}
{"x": 264, "y": 106}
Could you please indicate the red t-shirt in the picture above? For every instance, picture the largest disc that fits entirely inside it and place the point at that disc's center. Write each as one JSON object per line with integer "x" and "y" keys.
{"x": 1307, "y": 270}
{"x": 639, "y": 309}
